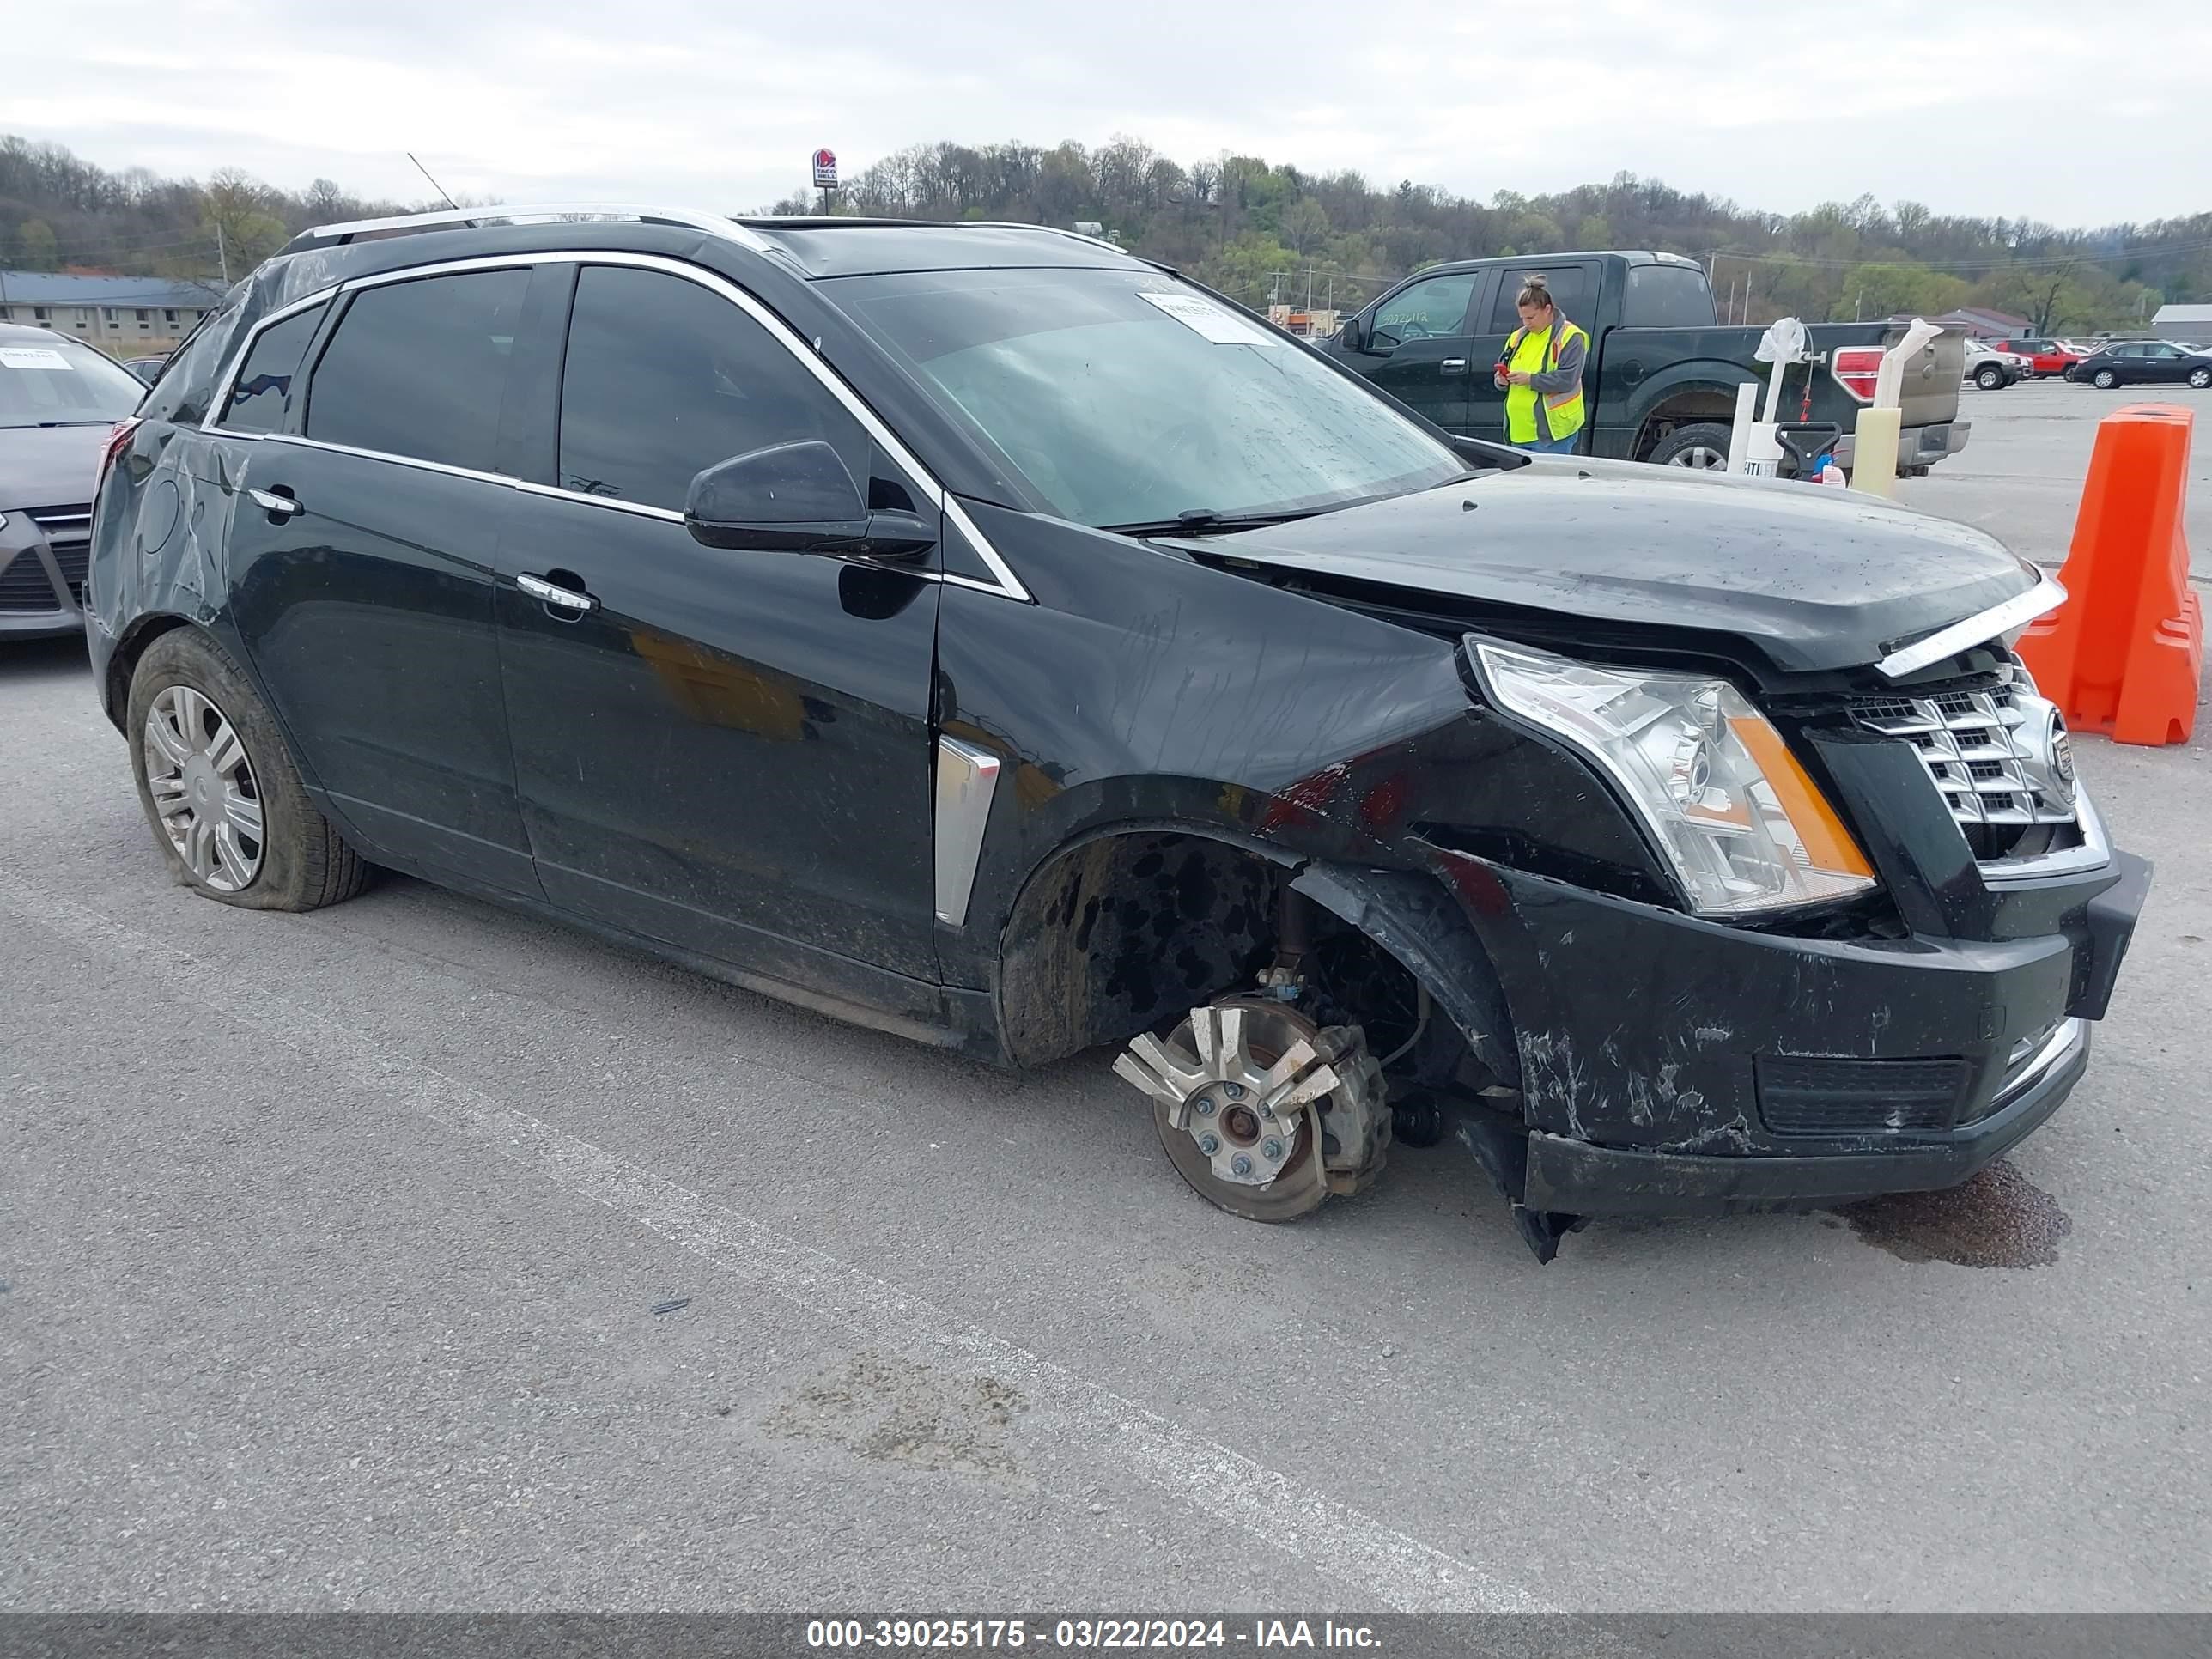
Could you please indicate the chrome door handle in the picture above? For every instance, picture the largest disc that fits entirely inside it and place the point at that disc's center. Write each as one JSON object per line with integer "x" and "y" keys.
{"x": 1454, "y": 366}
{"x": 275, "y": 506}
{"x": 538, "y": 588}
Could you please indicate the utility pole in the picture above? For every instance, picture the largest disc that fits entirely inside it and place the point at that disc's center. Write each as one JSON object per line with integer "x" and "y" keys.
{"x": 222, "y": 253}
{"x": 1310, "y": 290}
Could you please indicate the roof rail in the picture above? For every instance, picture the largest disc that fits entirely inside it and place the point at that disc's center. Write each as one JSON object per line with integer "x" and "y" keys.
{"x": 717, "y": 224}
{"x": 1054, "y": 230}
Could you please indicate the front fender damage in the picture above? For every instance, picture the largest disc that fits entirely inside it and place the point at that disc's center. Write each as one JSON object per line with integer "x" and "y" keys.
{"x": 1418, "y": 921}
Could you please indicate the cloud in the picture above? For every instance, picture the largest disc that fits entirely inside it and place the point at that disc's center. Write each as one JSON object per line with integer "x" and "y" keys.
{"x": 1976, "y": 106}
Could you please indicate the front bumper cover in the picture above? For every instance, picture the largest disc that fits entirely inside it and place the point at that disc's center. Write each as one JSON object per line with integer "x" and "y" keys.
{"x": 1642, "y": 1031}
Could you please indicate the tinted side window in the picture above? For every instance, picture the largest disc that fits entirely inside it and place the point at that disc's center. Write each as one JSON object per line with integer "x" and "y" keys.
{"x": 665, "y": 378}
{"x": 417, "y": 369}
{"x": 1436, "y": 309}
{"x": 1573, "y": 289}
{"x": 263, "y": 395}
{"x": 1661, "y": 296}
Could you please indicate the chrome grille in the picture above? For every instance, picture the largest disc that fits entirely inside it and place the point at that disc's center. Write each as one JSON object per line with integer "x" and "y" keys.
{"x": 1987, "y": 747}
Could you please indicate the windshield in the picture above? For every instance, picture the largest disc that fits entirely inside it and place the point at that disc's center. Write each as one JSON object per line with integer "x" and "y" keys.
{"x": 1126, "y": 397}
{"x": 58, "y": 382}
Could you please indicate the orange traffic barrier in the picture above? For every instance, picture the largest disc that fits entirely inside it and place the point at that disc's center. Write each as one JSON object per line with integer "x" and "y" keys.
{"x": 2122, "y": 654}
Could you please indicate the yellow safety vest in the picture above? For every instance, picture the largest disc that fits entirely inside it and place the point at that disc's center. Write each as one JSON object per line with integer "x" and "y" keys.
{"x": 1535, "y": 354}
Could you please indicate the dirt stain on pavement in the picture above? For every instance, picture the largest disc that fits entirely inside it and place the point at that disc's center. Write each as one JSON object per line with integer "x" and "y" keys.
{"x": 892, "y": 1411}
{"x": 1999, "y": 1219}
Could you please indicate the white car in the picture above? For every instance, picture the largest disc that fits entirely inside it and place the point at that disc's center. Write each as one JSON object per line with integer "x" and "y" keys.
{"x": 1992, "y": 370}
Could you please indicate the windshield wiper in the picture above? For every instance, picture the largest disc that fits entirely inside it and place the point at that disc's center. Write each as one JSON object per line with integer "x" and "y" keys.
{"x": 1204, "y": 521}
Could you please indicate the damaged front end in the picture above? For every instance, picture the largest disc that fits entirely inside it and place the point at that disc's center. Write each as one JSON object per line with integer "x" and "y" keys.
{"x": 1782, "y": 944}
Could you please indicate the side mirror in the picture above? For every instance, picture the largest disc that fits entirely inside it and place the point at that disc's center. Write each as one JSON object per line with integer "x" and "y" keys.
{"x": 1355, "y": 335}
{"x": 796, "y": 497}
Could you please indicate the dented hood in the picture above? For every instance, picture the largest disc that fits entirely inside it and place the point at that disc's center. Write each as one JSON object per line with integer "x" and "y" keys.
{"x": 1815, "y": 578}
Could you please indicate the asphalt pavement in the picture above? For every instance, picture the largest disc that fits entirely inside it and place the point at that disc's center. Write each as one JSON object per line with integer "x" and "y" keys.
{"x": 2020, "y": 475}
{"x": 414, "y": 1254}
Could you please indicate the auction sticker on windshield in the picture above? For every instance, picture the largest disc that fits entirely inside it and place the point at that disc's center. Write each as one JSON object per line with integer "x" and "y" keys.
{"x": 1206, "y": 318}
{"x": 33, "y": 357}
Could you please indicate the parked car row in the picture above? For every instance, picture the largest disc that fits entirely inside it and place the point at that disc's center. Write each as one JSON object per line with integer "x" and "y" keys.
{"x": 2144, "y": 363}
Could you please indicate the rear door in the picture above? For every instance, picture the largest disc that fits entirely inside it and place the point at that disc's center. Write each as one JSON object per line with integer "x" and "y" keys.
{"x": 361, "y": 551}
{"x": 1574, "y": 290}
{"x": 1417, "y": 347}
{"x": 724, "y": 751}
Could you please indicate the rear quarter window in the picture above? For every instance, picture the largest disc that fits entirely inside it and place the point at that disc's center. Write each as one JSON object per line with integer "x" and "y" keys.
{"x": 1667, "y": 296}
{"x": 261, "y": 397}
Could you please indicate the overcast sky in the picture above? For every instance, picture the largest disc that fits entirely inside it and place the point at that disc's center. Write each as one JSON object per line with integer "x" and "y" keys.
{"x": 2054, "y": 109}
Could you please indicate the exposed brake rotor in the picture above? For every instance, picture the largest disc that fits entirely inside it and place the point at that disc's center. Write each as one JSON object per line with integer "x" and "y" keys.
{"x": 1262, "y": 1111}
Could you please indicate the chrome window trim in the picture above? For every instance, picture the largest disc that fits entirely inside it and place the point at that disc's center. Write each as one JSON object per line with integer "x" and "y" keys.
{"x": 299, "y": 442}
{"x": 641, "y": 509}
{"x": 2016, "y": 611}
{"x": 1008, "y": 586}
{"x": 717, "y": 224}
{"x": 219, "y": 403}
{"x": 967, "y": 780}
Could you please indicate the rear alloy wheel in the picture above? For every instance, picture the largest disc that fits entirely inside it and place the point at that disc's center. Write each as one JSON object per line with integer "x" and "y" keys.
{"x": 2105, "y": 380}
{"x": 1258, "y": 1109}
{"x": 2200, "y": 378}
{"x": 1703, "y": 447}
{"x": 205, "y": 797}
{"x": 220, "y": 789}
{"x": 1989, "y": 377}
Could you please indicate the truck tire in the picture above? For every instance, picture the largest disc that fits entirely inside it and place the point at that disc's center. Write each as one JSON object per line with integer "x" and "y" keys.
{"x": 1990, "y": 378}
{"x": 1703, "y": 446}
{"x": 219, "y": 787}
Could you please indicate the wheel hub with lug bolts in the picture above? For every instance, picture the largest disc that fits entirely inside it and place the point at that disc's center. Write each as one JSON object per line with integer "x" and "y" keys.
{"x": 1235, "y": 1090}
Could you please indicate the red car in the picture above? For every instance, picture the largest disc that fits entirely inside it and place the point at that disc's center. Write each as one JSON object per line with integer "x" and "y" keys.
{"x": 2048, "y": 356}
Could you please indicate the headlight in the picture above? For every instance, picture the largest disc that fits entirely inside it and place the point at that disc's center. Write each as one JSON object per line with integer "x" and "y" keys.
{"x": 1747, "y": 829}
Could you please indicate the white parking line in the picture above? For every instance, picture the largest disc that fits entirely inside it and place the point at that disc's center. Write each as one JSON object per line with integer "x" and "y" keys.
{"x": 1399, "y": 1571}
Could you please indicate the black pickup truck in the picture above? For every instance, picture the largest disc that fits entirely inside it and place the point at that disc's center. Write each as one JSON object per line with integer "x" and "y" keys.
{"x": 1662, "y": 374}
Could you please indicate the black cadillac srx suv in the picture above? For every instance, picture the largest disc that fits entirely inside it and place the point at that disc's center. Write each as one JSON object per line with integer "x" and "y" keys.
{"x": 977, "y": 632}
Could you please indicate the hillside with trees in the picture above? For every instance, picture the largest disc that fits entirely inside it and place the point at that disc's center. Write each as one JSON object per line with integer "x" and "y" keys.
{"x": 1254, "y": 230}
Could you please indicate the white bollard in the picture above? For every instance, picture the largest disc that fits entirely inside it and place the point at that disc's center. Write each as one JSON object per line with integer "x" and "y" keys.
{"x": 1747, "y": 399}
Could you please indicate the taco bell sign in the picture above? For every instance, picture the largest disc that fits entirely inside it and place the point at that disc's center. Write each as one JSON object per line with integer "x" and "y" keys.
{"x": 825, "y": 169}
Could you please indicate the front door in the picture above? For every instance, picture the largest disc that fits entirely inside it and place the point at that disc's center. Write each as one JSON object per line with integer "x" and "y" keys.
{"x": 361, "y": 557}
{"x": 2163, "y": 363}
{"x": 1417, "y": 347}
{"x": 727, "y": 752}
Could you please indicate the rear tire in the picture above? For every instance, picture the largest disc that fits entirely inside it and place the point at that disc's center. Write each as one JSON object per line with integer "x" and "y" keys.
{"x": 2105, "y": 380}
{"x": 198, "y": 733}
{"x": 1701, "y": 447}
{"x": 2200, "y": 378}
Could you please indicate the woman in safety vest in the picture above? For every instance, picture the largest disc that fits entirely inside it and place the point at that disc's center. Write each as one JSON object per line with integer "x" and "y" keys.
{"x": 1541, "y": 375}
